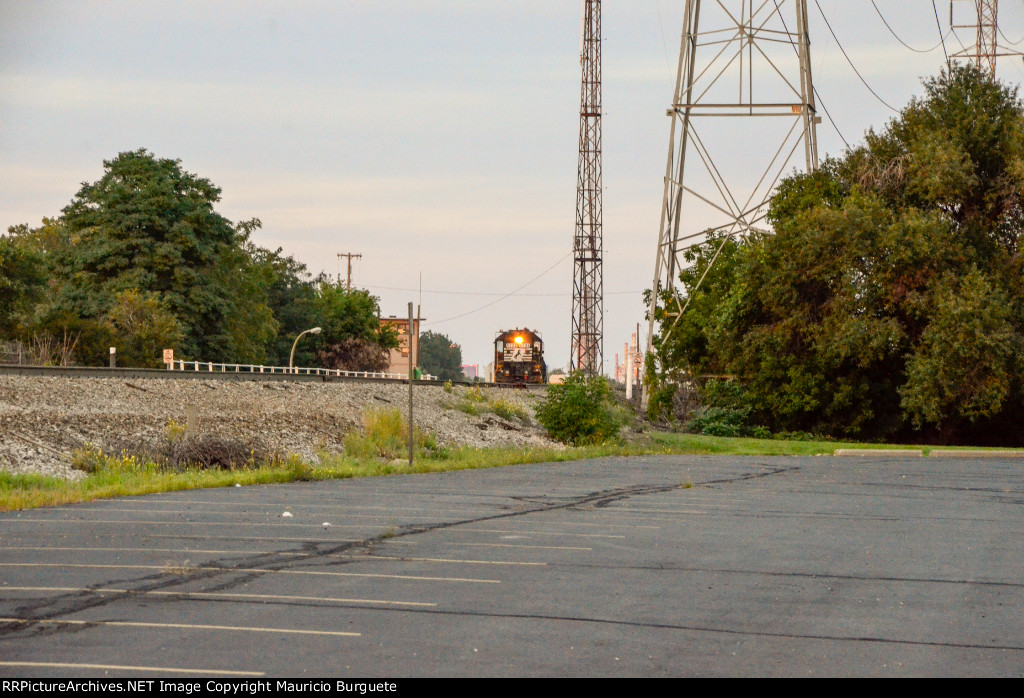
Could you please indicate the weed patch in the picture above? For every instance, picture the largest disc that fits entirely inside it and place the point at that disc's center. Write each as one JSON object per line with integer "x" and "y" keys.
{"x": 510, "y": 411}
{"x": 385, "y": 436}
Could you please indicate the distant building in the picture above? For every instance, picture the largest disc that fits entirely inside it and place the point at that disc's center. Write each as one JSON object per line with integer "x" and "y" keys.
{"x": 471, "y": 371}
{"x": 398, "y": 359}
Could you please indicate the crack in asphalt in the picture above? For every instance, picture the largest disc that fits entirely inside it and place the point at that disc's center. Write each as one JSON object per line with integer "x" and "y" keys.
{"x": 311, "y": 553}
{"x": 43, "y": 630}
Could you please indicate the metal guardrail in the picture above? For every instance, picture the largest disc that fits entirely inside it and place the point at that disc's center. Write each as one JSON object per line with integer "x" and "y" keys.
{"x": 210, "y": 367}
{"x": 208, "y": 371}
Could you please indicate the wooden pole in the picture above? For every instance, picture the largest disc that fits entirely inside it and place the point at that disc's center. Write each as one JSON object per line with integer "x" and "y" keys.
{"x": 409, "y": 340}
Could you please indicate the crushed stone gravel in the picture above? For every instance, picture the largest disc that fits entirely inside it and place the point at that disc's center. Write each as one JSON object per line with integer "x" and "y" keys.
{"x": 44, "y": 419}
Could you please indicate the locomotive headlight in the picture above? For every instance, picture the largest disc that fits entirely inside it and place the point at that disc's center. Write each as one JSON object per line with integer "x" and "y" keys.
{"x": 519, "y": 340}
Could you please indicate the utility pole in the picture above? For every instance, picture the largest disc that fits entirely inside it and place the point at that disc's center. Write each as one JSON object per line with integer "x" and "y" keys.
{"x": 750, "y": 62}
{"x": 412, "y": 429}
{"x": 588, "y": 276}
{"x": 981, "y": 17}
{"x": 349, "y": 256}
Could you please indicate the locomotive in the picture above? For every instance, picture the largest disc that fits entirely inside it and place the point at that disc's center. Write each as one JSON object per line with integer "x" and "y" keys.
{"x": 519, "y": 357}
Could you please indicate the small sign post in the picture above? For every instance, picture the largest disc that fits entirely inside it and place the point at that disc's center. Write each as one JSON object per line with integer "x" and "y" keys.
{"x": 169, "y": 359}
{"x": 113, "y": 357}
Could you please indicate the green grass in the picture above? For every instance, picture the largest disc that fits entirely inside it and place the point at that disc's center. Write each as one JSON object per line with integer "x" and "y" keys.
{"x": 118, "y": 476}
{"x": 744, "y": 446}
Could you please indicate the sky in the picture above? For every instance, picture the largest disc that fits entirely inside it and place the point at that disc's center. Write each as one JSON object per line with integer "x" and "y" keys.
{"x": 437, "y": 139}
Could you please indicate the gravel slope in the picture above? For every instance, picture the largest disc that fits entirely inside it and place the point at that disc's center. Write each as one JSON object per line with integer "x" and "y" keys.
{"x": 42, "y": 419}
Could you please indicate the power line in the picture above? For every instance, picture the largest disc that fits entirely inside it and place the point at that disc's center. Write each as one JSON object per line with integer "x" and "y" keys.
{"x": 664, "y": 43}
{"x": 897, "y": 37}
{"x": 1012, "y": 43}
{"x": 507, "y": 295}
{"x": 877, "y": 96}
{"x": 480, "y": 293}
{"x": 956, "y": 36}
{"x": 832, "y": 121}
{"x": 942, "y": 38}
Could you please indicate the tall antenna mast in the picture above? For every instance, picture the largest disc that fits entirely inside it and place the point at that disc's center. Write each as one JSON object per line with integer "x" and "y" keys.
{"x": 982, "y": 17}
{"x": 749, "y": 61}
{"x": 588, "y": 281}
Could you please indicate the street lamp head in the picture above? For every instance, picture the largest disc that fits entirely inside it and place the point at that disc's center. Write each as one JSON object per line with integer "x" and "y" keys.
{"x": 291, "y": 358}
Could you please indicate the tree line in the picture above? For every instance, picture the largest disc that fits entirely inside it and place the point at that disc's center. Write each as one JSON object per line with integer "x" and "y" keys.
{"x": 889, "y": 300}
{"x": 140, "y": 260}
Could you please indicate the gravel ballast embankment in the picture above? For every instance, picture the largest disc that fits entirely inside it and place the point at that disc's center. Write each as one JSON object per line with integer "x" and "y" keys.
{"x": 43, "y": 419}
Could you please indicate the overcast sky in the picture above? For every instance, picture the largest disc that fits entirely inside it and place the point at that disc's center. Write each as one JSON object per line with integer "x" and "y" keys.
{"x": 433, "y": 137}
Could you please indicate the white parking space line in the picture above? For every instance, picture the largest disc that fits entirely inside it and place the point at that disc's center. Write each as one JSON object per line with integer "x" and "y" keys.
{"x": 223, "y": 595}
{"x": 524, "y": 532}
{"x": 120, "y": 667}
{"x": 263, "y": 504}
{"x": 447, "y": 559}
{"x": 181, "y": 626}
{"x": 602, "y": 525}
{"x": 663, "y": 514}
{"x": 194, "y": 551}
{"x": 453, "y": 543}
{"x": 262, "y": 539}
{"x": 247, "y": 524}
{"x": 200, "y": 568}
{"x": 292, "y": 525}
{"x": 390, "y": 541}
{"x": 275, "y": 513}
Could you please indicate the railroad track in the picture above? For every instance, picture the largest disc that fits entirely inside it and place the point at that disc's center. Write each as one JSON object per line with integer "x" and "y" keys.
{"x": 277, "y": 375}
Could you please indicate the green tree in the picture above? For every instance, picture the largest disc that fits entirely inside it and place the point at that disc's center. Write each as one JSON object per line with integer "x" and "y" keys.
{"x": 22, "y": 283}
{"x": 292, "y": 297}
{"x": 149, "y": 225}
{"x": 889, "y": 297}
{"x": 440, "y": 356}
{"x": 352, "y": 337}
{"x": 142, "y": 328}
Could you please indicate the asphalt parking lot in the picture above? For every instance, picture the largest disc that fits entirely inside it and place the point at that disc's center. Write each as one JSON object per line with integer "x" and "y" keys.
{"x": 655, "y": 566}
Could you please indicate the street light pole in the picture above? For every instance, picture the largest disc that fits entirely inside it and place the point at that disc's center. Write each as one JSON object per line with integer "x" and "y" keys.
{"x": 291, "y": 358}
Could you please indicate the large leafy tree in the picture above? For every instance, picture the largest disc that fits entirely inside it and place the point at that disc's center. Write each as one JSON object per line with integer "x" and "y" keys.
{"x": 147, "y": 225}
{"x": 440, "y": 356}
{"x": 890, "y": 298}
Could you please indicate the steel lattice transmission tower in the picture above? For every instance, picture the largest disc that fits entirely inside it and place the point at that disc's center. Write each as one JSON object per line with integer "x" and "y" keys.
{"x": 983, "y": 18}
{"x": 743, "y": 112}
{"x": 588, "y": 280}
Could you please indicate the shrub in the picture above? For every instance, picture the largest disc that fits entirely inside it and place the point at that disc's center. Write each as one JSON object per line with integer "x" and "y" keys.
{"x": 579, "y": 411}
{"x": 726, "y": 412}
{"x": 718, "y": 421}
